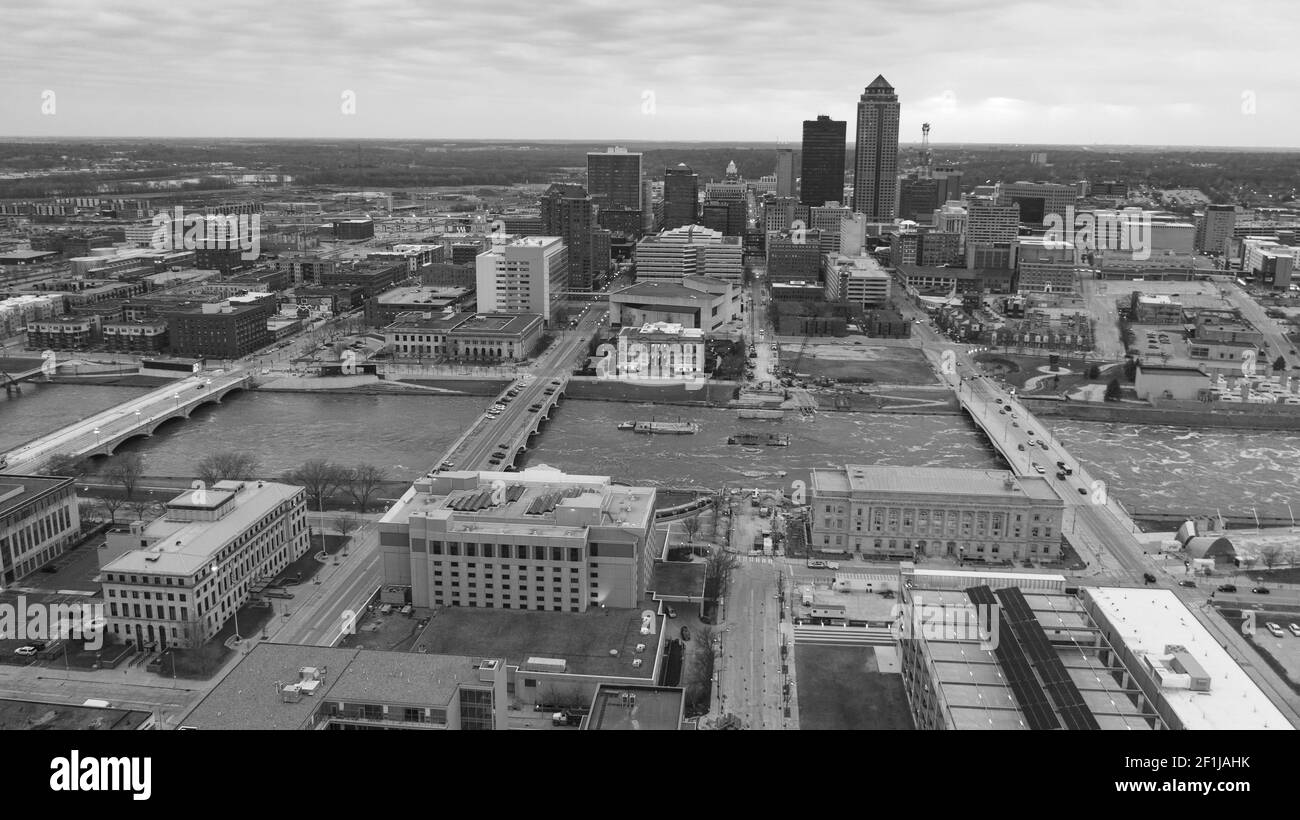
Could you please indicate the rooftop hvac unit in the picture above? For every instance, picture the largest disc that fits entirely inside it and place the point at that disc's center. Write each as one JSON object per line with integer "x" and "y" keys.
{"x": 291, "y": 693}
{"x": 636, "y": 664}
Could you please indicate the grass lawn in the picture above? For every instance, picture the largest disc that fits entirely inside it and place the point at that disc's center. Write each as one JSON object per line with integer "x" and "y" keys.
{"x": 839, "y": 687}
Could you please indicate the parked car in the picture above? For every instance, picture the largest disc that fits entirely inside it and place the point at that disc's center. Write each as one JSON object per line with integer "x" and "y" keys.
{"x": 1275, "y": 630}
{"x": 1260, "y": 590}
{"x": 1227, "y": 587}
{"x": 1148, "y": 577}
{"x": 815, "y": 563}
{"x": 672, "y": 613}
{"x": 1295, "y": 628}
{"x": 686, "y": 633}
{"x": 832, "y": 565}
{"x": 25, "y": 650}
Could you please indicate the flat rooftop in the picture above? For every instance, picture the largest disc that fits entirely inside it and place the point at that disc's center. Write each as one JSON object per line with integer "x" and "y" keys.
{"x": 19, "y": 490}
{"x": 678, "y": 579}
{"x": 1148, "y": 621}
{"x": 637, "y": 708}
{"x": 504, "y": 323}
{"x": 420, "y": 295}
{"x": 582, "y": 639}
{"x": 530, "y": 499}
{"x": 28, "y": 714}
{"x": 857, "y": 478}
{"x": 184, "y": 547}
{"x": 249, "y": 698}
{"x": 974, "y": 684}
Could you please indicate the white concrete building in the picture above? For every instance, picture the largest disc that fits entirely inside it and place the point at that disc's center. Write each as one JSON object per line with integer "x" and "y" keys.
{"x": 523, "y": 275}
{"x": 176, "y": 581}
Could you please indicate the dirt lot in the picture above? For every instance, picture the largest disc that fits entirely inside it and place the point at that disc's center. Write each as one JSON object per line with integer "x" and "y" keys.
{"x": 884, "y": 365}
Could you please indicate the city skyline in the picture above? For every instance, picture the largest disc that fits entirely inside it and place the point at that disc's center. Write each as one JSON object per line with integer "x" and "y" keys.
{"x": 405, "y": 77}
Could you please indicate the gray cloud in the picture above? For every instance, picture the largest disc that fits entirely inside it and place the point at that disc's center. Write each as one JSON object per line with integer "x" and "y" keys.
{"x": 1096, "y": 71}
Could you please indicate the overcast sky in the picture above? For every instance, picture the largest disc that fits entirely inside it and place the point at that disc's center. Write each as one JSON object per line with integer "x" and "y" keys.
{"x": 1177, "y": 73}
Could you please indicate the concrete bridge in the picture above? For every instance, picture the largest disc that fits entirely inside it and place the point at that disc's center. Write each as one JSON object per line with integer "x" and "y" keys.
{"x": 102, "y": 434}
{"x": 510, "y": 432}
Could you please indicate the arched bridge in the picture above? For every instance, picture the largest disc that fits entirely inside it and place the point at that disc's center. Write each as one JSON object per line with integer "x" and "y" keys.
{"x": 103, "y": 433}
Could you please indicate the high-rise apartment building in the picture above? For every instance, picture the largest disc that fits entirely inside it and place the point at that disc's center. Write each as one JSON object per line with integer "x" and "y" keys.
{"x": 1214, "y": 228}
{"x": 681, "y": 197}
{"x": 614, "y": 179}
{"x": 875, "y": 165}
{"x": 822, "y": 173}
{"x": 523, "y": 275}
{"x": 990, "y": 230}
{"x": 570, "y": 213}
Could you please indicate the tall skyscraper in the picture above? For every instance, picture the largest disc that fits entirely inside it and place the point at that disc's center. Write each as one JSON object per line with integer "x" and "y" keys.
{"x": 875, "y": 164}
{"x": 569, "y": 213}
{"x": 822, "y": 171}
{"x": 614, "y": 178}
{"x": 785, "y": 172}
{"x": 681, "y": 197}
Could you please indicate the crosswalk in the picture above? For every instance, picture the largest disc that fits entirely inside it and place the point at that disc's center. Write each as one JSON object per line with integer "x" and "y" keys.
{"x": 758, "y": 559}
{"x": 843, "y": 635}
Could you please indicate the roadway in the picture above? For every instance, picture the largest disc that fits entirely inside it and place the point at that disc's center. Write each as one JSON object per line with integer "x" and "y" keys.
{"x": 475, "y": 448}
{"x": 1275, "y": 339}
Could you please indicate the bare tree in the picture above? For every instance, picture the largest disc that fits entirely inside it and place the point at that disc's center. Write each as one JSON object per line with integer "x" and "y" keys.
{"x": 363, "y": 481}
{"x": 321, "y": 479}
{"x": 111, "y": 504}
{"x": 140, "y": 508}
{"x": 346, "y": 524}
{"x": 692, "y": 527}
{"x": 1271, "y": 556}
{"x": 226, "y": 466}
{"x": 125, "y": 470}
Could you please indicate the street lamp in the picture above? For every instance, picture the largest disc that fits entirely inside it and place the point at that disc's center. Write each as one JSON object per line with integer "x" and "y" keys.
{"x": 97, "y": 439}
{"x": 177, "y": 396}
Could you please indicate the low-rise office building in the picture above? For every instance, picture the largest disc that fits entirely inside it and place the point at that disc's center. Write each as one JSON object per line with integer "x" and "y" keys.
{"x": 903, "y": 512}
{"x": 1181, "y": 383}
{"x": 175, "y": 581}
{"x": 230, "y": 329}
{"x": 38, "y": 520}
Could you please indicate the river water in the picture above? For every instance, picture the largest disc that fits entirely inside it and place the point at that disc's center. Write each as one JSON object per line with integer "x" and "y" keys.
{"x": 1152, "y": 469}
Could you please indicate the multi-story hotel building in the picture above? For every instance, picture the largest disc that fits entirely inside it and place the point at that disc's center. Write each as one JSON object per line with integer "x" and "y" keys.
{"x": 38, "y": 519}
{"x": 525, "y": 275}
{"x": 533, "y": 540}
{"x": 976, "y": 515}
{"x": 176, "y": 581}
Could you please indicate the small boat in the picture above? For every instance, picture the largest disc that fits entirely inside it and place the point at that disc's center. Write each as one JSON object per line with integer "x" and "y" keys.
{"x": 627, "y": 425}
{"x": 778, "y": 440}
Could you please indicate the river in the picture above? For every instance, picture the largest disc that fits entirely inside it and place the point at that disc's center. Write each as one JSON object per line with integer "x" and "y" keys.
{"x": 1152, "y": 469}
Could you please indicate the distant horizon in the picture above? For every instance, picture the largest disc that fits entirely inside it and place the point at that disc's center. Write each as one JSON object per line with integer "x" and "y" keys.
{"x": 624, "y": 142}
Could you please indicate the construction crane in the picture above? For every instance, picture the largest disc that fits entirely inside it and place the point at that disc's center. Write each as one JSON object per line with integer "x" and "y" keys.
{"x": 925, "y": 150}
